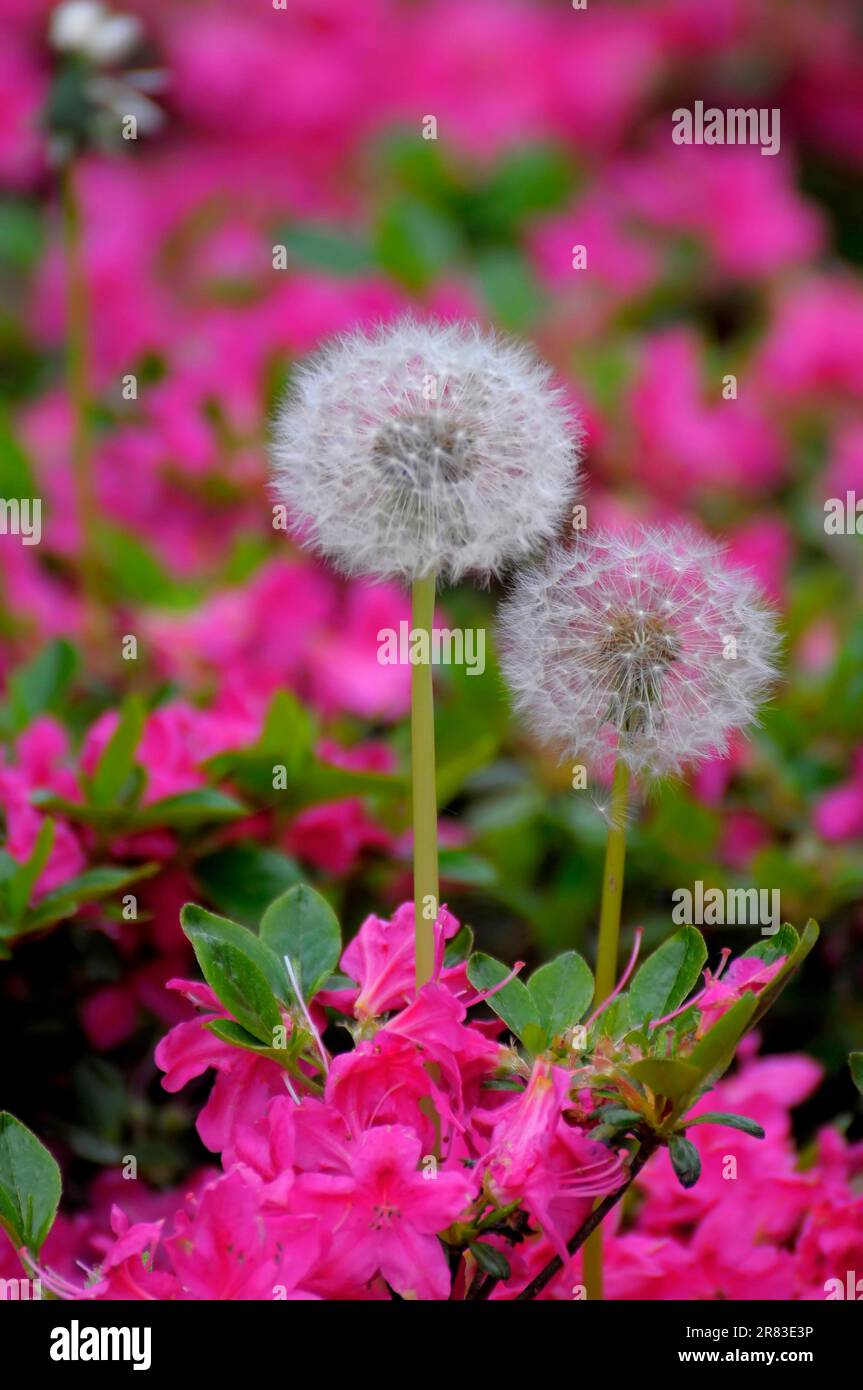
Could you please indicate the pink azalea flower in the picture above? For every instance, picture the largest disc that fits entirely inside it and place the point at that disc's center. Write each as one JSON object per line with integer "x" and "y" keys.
{"x": 743, "y": 836}
{"x": 244, "y": 1083}
{"x": 830, "y": 1247}
{"x": 127, "y": 1271}
{"x": 109, "y": 1016}
{"x": 556, "y": 1168}
{"x": 383, "y": 1215}
{"x": 381, "y": 960}
{"x": 745, "y": 974}
{"x": 743, "y": 208}
{"x": 434, "y": 1021}
{"x": 764, "y": 548}
{"x": 838, "y": 813}
{"x": 384, "y": 1081}
{"x": 23, "y": 824}
{"x": 813, "y": 348}
{"x": 332, "y": 838}
{"x": 687, "y": 442}
{"x": 176, "y": 741}
{"x": 229, "y": 1248}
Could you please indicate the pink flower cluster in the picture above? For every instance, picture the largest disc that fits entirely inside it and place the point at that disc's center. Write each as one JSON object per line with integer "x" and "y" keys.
{"x": 343, "y": 1193}
{"x": 759, "y": 1224}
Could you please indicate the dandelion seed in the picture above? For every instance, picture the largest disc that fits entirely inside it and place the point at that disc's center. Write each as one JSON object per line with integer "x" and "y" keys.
{"x": 390, "y": 479}
{"x": 622, "y": 643}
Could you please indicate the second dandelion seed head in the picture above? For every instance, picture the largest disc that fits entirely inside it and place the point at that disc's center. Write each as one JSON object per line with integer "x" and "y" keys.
{"x": 644, "y": 645}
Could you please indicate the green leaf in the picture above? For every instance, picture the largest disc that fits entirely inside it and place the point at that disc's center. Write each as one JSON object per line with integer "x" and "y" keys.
{"x": 527, "y": 180}
{"x": 770, "y": 948}
{"x": 323, "y": 782}
{"x": 29, "y": 1185}
{"x": 666, "y": 978}
{"x": 713, "y": 1054}
{"x": 460, "y": 948}
{"x": 188, "y": 810}
{"x": 241, "y": 880}
{"x": 415, "y": 243}
{"x": 311, "y": 784}
{"x": 514, "y": 1003}
{"x": 535, "y": 1038}
{"x": 717, "y": 1117}
{"x": 460, "y": 866}
{"x": 510, "y": 287}
{"x": 288, "y": 733}
{"x": 22, "y": 235}
{"x": 117, "y": 759}
{"x": 39, "y": 687}
{"x": 771, "y": 992}
{"x": 325, "y": 248}
{"x": 242, "y": 972}
{"x": 684, "y": 1160}
{"x": 665, "y": 1076}
{"x": 619, "y": 1117}
{"x": 22, "y": 884}
{"x": 231, "y": 1032}
{"x": 93, "y": 885}
{"x": 136, "y": 574}
{"x": 101, "y": 1096}
{"x": 16, "y": 474}
{"x": 615, "y": 1021}
{"x": 562, "y": 991}
{"x": 490, "y": 1260}
{"x": 302, "y": 925}
{"x": 855, "y": 1062}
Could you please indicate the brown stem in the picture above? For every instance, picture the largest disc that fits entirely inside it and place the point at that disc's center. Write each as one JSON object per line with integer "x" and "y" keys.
{"x": 480, "y": 1289}
{"x": 647, "y": 1149}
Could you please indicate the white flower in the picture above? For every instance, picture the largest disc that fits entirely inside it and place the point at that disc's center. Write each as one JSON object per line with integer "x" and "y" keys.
{"x": 89, "y": 28}
{"x": 425, "y": 448}
{"x": 644, "y": 641}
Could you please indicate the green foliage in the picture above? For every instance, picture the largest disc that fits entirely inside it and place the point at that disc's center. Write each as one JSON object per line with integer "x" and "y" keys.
{"x": 562, "y": 991}
{"x": 741, "y": 1122}
{"x": 302, "y": 926}
{"x": 29, "y": 1185}
{"x": 684, "y": 1160}
{"x": 243, "y": 878}
{"x": 513, "y": 1003}
{"x": 667, "y": 977}
{"x": 39, "y": 687}
{"x": 244, "y": 974}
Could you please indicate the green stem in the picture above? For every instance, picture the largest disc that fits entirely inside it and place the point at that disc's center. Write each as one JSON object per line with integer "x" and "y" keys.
{"x": 424, "y": 790}
{"x": 606, "y": 965}
{"x": 78, "y": 370}
{"x": 612, "y": 886}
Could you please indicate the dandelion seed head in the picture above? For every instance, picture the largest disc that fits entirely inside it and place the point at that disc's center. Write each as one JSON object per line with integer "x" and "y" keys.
{"x": 647, "y": 642}
{"x": 425, "y": 448}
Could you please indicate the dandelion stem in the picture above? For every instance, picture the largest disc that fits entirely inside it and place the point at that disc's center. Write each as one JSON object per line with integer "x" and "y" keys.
{"x": 424, "y": 790}
{"x": 78, "y": 369}
{"x": 606, "y": 965}
{"x": 612, "y": 885}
